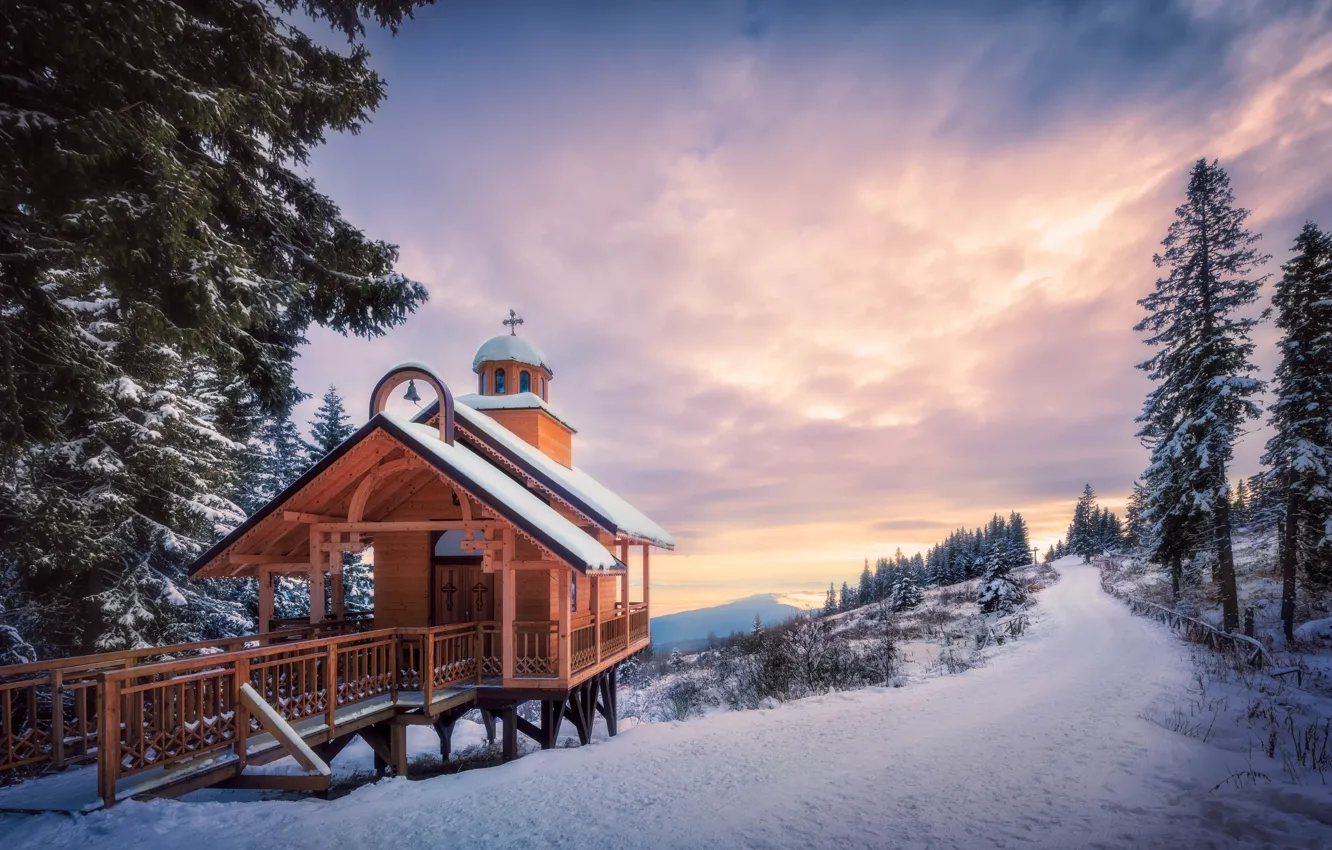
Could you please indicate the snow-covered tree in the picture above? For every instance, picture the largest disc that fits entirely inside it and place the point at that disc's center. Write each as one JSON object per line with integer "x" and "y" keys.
{"x": 999, "y": 591}
{"x": 1201, "y": 365}
{"x": 330, "y": 425}
{"x": 1299, "y": 454}
{"x": 906, "y": 593}
{"x": 1082, "y": 532}
{"x": 156, "y": 225}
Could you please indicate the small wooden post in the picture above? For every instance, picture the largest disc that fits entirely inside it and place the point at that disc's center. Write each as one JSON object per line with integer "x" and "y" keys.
{"x": 57, "y": 719}
{"x": 242, "y": 732}
{"x": 331, "y": 685}
{"x": 265, "y": 601}
{"x": 108, "y": 739}
{"x": 427, "y": 669}
{"x": 563, "y": 646}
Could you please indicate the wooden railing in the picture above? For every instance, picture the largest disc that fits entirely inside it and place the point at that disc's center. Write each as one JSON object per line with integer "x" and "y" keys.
{"x": 164, "y": 712}
{"x": 536, "y": 648}
{"x": 1242, "y": 647}
{"x": 614, "y": 634}
{"x": 638, "y": 622}
{"x": 583, "y": 646}
{"x": 163, "y": 706}
{"x": 49, "y": 709}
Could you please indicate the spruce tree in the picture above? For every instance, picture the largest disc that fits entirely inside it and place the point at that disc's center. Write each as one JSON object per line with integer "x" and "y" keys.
{"x": 154, "y": 216}
{"x": 1082, "y": 532}
{"x": 330, "y": 425}
{"x": 999, "y": 591}
{"x": 1201, "y": 364}
{"x": 1299, "y": 454}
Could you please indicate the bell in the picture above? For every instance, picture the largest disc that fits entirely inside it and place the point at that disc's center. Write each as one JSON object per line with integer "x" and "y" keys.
{"x": 412, "y": 395}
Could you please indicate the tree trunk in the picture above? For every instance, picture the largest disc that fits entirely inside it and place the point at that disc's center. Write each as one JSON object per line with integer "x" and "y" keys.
{"x": 1289, "y": 547}
{"x": 1176, "y": 573}
{"x": 1225, "y": 568}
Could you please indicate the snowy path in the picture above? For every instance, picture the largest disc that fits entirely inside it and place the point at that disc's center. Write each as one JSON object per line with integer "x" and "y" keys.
{"x": 1042, "y": 748}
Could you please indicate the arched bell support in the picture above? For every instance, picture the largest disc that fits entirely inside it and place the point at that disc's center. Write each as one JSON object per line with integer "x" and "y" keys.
{"x": 415, "y": 372}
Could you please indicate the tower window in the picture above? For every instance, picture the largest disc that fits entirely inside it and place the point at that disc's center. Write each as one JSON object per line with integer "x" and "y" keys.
{"x": 543, "y": 389}
{"x": 481, "y": 383}
{"x": 499, "y": 382}
{"x": 524, "y": 382}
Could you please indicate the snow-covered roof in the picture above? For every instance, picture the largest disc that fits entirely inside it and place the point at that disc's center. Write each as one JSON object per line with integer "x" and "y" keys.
{"x": 587, "y": 494}
{"x": 493, "y": 486}
{"x": 507, "y": 347}
{"x": 515, "y": 401}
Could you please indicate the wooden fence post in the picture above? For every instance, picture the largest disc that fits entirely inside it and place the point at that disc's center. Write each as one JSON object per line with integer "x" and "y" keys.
{"x": 427, "y": 669}
{"x": 331, "y": 685}
{"x": 57, "y": 719}
{"x": 242, "y": 734}
{"x": 108, "y": 739}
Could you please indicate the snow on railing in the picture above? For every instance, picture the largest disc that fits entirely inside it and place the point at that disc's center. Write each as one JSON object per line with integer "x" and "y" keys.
{"x": 1194, "y": 630}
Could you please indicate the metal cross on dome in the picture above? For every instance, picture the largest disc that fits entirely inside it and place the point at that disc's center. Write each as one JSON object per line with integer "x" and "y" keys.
{"x": 512, "y": 323}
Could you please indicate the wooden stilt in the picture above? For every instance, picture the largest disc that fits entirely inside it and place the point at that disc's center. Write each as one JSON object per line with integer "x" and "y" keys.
{"x": 509, "y": 716}
{"x": 398, "y": 736}
{"x": 265, "y": 600}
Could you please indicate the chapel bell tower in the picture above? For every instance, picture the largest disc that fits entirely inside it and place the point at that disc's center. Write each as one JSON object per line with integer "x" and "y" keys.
{"x": 513, "y": 388}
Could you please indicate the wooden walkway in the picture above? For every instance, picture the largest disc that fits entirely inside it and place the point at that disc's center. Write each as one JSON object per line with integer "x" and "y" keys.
{"x": 196, "y": 715}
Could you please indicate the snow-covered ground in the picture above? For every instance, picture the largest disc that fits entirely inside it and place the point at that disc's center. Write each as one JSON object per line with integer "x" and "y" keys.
{"x": 1049, "y": 745}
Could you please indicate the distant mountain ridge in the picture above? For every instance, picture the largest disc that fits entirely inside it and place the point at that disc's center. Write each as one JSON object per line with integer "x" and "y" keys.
{"x": 690, "y": 629}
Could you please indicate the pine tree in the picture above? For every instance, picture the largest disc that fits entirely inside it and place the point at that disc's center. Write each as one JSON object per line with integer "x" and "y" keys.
{"x": 830, "y": 606}
{"x": 1201, "y": 365}
{"x": 865, "y": 593}
{"x": 1082, "y": 532}
{"x": 156, "y": 224}
{"x": 330, "y": 425}
{"x": 999, "y": 591}
{"x": 906, "y": 593}
{"x": 1299, "y": 453}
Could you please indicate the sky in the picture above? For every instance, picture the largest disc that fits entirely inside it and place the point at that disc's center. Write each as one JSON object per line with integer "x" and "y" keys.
{"x": 819, "y": 281}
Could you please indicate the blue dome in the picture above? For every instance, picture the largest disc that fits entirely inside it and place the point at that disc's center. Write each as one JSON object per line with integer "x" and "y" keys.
{"x": 506, "y": 347}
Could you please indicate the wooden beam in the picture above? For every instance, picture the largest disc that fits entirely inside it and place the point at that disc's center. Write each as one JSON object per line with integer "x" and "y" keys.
{"x": 281, "y": 730}
{"x": 277, "y": 782}
{"x": 241, "y": 558}
{"x": 302, "y": 516}
{"x": 369, "y": 527}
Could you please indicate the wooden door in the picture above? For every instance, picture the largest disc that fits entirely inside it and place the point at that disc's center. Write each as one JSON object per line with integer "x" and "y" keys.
{"x": 462, "y": 593}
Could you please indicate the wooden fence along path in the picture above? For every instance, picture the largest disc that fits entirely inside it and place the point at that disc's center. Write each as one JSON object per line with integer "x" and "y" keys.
{"x": 158, "y": 709}
{"x": 1242, "y": 647}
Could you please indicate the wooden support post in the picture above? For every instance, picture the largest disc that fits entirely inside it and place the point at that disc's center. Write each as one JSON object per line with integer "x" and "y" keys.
{"x": 108, "y": 740}
{"x": 265, "y": 601}
{"x": 624, "y": 579}
{"x": 398, "y": 737}
{"x": 646, "y": 582}
{"x": 335, "y": 585}
{"x": 508, "y": 639}
{"x": 316, "y": 593}
{"x": 509, "y": 716}
{"x": 562, "y": 643}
